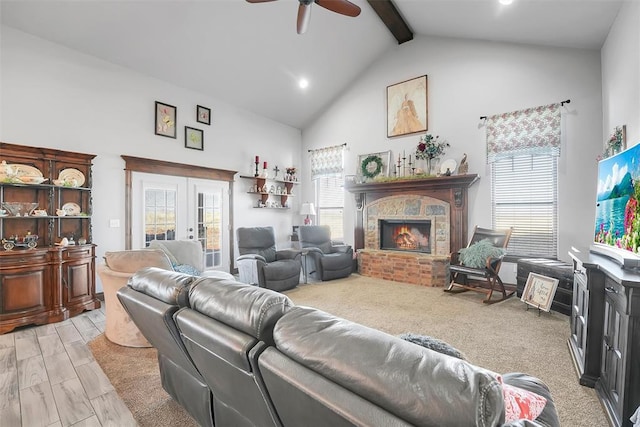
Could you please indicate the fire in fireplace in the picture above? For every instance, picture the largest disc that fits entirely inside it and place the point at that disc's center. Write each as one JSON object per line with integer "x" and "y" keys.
{"x": 405, "y": 235}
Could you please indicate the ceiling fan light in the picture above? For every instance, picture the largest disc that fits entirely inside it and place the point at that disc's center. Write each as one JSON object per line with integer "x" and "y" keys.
{"x": 303, "y": 83}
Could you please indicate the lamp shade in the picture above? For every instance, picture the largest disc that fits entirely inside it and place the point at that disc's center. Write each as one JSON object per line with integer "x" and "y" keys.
{"x": 307, "y": 209}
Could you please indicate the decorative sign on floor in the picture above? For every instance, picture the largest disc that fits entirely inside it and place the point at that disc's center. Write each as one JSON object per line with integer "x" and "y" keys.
{"x": 539, "y": 291}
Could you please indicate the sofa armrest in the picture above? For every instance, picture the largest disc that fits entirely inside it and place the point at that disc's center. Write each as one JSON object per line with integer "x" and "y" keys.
{"x": 287, "y": 254}
{"x": 343, "y": 249}
{"x": 251, "y": 257}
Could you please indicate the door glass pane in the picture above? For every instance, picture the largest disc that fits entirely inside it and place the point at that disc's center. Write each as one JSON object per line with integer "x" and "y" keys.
{"x": 209, "y": 225}
{"x": 159, "y": 215}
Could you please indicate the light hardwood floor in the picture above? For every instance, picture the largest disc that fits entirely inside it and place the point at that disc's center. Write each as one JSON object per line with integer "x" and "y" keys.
{"x": 48, "y": 377}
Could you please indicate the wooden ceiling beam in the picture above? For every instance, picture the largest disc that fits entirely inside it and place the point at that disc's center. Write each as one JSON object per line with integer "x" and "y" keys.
{"x": 390, "y": 16}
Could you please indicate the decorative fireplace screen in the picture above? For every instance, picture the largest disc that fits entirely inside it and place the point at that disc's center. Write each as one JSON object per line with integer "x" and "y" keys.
{"x": 405, "y": 235}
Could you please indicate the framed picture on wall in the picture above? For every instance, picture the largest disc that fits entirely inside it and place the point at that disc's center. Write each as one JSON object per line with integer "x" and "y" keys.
{"x": 193, "y": 138}
{"x": 373, "y": 165}
{"x": 539, "y": 291}
{"x": 166, "y": 116}
{"x": 203, "y": 115}
{"x": 407, "y": 107}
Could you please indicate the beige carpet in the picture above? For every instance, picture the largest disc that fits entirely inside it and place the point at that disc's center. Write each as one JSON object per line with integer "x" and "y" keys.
{"x": 503, "y": 337}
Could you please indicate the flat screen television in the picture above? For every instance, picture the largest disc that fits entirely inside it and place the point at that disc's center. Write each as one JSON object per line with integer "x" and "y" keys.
{"x": 617, "y": 224}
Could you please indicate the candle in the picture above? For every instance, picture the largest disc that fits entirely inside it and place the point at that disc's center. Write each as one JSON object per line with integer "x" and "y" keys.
{"x": 264, "y": 166}
{"x": 409, "y": 158}
{"x": 257, "y": 159}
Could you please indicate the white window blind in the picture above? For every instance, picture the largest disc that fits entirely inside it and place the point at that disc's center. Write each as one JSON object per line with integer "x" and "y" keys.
{"x": 525, "y": 196}
{"x": 330, "y": 204}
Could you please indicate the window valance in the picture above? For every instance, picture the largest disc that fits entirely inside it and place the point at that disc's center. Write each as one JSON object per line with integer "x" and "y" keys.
{"x": 530, "y": 131}
{"x": 327, "y": 161}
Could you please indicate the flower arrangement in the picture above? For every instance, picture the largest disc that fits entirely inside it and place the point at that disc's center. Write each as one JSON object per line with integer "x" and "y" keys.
{"x": 614, "y": 144}
{"x": 430, "y": 147}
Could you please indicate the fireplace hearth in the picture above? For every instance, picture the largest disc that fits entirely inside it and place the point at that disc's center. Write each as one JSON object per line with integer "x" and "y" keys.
{"x": 405, "y": 235}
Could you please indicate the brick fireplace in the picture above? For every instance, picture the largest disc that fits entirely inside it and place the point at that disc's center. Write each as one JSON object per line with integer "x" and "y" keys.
{"x": 440, "y": 202}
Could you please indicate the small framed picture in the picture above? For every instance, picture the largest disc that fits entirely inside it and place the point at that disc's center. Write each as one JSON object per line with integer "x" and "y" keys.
{"x": 203, "y": 115}
{"x": 539, "y": 291}
{"x": 193, "y": 138}
{"x": 166, "y": 116}
{"x": 373, "y": 165}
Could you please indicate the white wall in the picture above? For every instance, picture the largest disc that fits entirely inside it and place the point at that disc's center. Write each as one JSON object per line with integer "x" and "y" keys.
{"x": 621, "y": 74}
{"x": 466, "y": 80}
{"x": 55, "y": 97}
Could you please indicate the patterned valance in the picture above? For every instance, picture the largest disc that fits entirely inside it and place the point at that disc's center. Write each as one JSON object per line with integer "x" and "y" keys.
{"x": 327, "y": 161}
{"x": 529, "y": 131}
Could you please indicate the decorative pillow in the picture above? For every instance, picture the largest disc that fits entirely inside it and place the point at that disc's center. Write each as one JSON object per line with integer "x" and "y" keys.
{"x": 521, "y": 404}
{"x": 433, "y": 344}
{"x": 475, "y": 256}
{"x": 186, "y": 269}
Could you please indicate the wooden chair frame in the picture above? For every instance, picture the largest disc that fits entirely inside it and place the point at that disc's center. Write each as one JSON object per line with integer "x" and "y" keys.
{"x": 485, "y": 279}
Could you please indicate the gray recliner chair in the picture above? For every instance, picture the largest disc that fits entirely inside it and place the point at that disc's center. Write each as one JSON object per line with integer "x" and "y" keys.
{"x": 324, "y": 259}
{"x": 261, "y": 264}
{"x": 152, "y": 297}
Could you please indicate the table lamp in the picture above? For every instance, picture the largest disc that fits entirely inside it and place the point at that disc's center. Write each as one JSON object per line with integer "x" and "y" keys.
{"x": 307, "y": 209}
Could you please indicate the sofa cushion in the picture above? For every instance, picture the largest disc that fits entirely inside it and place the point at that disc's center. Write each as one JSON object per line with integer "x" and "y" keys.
{"x": 419, "y": 385}
{"x": 169, "y": 287}
{"x": 247, "y": 308}
{"x": 130, "y": 261}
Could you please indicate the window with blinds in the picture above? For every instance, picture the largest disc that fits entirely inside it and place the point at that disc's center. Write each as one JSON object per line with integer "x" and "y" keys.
{"x": 524, "y": 196}
{"x": 330, "y": 204}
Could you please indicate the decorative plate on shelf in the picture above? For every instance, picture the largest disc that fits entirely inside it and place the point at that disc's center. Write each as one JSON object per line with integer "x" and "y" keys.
{"x": 20, "y": 173}
{"x": 71, "y": 176}
{"x": 448, "y": 164}
{"x": 71, "y": 209}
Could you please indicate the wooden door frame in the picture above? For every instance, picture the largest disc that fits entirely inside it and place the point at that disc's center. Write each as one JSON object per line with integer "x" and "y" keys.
{"x": 161, "y": 167}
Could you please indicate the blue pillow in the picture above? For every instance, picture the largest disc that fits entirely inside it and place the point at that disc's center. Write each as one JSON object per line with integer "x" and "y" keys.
{"x": 186, "y": 269}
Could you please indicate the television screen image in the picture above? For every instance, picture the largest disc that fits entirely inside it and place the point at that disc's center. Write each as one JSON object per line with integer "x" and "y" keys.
{"x": 617, "y": 224}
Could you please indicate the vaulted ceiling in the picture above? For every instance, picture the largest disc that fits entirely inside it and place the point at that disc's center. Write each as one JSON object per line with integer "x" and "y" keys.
{"x": 250, "y": 55}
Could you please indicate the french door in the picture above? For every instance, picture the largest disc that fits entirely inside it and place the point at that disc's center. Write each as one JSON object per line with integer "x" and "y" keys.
{"x": 177, "y": 208}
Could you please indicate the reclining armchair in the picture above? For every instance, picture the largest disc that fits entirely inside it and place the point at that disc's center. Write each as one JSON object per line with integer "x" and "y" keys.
{"x": 261, "y": 264}
{"x": 324, "y": 260}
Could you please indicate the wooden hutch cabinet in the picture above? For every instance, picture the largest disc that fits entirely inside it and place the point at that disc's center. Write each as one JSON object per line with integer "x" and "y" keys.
{"x": 49, "y": 282}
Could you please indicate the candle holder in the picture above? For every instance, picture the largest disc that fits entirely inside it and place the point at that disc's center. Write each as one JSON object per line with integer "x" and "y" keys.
{"x": 256, "y": 174}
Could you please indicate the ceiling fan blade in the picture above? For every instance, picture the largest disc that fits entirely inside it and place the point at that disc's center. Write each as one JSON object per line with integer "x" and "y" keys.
{"x": 304, "y": 14}
{"x": 259, "y": 1}
{"x": 343, "y": 7}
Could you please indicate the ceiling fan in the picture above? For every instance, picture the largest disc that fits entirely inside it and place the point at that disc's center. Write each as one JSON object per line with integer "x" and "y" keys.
{"x": 343, "y": 7}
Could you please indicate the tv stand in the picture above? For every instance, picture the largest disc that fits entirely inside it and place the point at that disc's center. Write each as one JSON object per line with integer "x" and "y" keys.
{"x": 605, "y": 332}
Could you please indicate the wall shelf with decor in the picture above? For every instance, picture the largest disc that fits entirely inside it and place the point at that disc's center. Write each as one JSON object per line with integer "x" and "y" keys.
{"x": 45, "y": 197}
{"x": 275, "y": 188}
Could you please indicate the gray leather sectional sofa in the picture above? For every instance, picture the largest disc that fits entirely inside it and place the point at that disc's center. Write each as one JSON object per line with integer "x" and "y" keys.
{"x": 234, "y": 354}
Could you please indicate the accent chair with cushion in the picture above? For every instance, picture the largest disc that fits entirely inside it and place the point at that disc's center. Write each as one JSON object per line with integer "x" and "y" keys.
{"x": 261, "y": 264}
{"x": 324, "y": 259}
{"x": 187, "y": 256}
{"x": 115, "y": 272}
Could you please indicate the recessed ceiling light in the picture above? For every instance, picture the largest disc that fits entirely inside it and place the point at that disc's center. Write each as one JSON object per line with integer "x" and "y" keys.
{"x": 506, "y": 2}
{"x": 303, "y": 83}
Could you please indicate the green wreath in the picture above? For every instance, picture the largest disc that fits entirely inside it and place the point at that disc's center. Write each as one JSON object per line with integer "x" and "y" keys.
{"x": 367, "y": 166}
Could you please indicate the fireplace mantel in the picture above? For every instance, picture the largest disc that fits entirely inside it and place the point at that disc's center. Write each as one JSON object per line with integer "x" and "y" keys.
{"x": 450, "y": 189}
